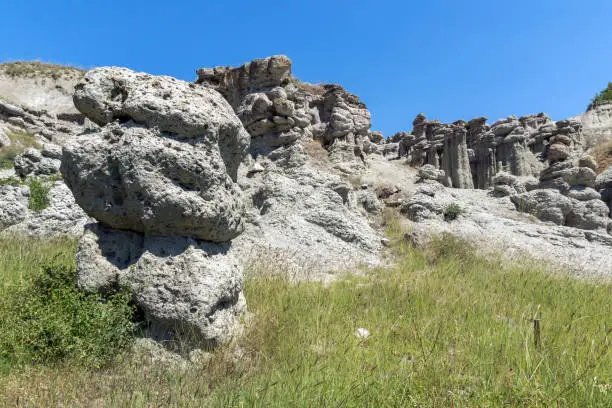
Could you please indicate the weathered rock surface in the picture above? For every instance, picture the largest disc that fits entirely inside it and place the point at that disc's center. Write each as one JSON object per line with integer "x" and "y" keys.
{"x": 62, "y": 217}
{"x": 494, "y": 225}
{"x": 278, "y": 111}
{"x": 185, "y": 287}
{"x": 170, "y": 175}
{"x": 33, "y": 162}
{"x": 160, "y": 179}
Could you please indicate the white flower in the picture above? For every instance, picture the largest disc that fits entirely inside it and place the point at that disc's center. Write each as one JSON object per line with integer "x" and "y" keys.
{"x": 362, "y": 333}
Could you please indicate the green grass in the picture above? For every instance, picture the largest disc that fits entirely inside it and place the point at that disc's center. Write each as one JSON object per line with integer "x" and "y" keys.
{"x": 449, "y": 328}
{"x": 20, "y": 141}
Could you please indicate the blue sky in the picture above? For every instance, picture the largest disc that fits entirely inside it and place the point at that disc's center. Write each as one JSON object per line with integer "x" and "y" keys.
{"x": 447, "y": 59}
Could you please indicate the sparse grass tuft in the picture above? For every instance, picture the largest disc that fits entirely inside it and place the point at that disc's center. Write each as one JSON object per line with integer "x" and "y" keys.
{"x": 452, "y": 212}
{"x": 37, "y": 69}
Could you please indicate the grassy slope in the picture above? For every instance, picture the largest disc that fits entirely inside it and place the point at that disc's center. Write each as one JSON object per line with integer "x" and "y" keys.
{"x": 448, "y": 328}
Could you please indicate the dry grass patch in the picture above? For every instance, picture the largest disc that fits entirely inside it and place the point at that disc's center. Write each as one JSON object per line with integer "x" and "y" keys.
{"x": 603, "y": 155}
{"x": 37, "y": 69}
{"x": 315, "y": 89}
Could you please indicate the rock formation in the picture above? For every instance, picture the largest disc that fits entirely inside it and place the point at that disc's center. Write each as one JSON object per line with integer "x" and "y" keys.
{"x": 290, "y": 198}
{"x": 159, "y": 176}
{"x": 278, "y": 110}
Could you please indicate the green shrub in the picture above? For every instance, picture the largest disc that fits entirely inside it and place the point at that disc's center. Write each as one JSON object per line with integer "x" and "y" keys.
{"x": 39, "y": 194}
{"x": 602, "y": 97}
{"x": 49, "y": 320}
{"x": 452, "y": 212}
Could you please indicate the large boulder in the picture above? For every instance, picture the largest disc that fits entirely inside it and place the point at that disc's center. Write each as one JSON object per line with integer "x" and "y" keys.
{"x": 160, "y": 177}
{"x": 169, "y": 168}
{"x": 175, "y": 109}
{"x": 184, "y": 287}
{"x": 551, "y": 205}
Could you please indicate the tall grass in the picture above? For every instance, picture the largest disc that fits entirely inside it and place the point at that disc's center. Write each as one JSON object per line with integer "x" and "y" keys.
{"x": 449, "y": 328}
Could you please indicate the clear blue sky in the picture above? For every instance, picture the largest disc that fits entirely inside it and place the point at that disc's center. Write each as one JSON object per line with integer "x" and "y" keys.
{"x": 449, "y": 59}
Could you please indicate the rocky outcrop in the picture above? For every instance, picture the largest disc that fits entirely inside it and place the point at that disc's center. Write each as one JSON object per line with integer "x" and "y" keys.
{"x": 296, "y": 206}
{"x": 603, "y": 184}
{"x": 565, "y": 194}
{"x": 188, "y": 288}
{"x": 61, "y": 217}
{"x": 39, "y": 163}
{"x": 169, "y": 169}
{"x": 596, "y": 124}
{"x": 279, "y": 111}
{"x": 160, "y": 179}
{"x": 472, "y": 153}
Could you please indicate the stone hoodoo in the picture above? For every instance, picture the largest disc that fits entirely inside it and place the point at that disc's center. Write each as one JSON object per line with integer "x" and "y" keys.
{"x": 159, "y": 176}
{"x": 277, "y": 110}
{"x": 472, "y": 153}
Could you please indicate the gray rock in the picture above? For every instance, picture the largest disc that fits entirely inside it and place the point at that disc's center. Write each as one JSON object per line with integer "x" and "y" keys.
{"x": 550, "y": 205}
{"x": 134, "y": 178}
{"x": 176, "y": 109}
{"x": 185, "y": 287}
{"x": 370, "y": 202}
{"x": 429, "y": 172}
{"x": 589, "y": 215}
{"x": 52, "y": 151}
{"x": 420, "y": 207}
{"x": 579, "y": 176}
{"x": 587, "y": 161}
{"x": 583, "y": 193}
{"x": 604, "y": 180}
{"x": 32, "y": 162}
{"x": 4, "y": 139}
{"x": 14, "y": 208}
{"x": 558, "y": 152}
{"x": 62, "y": 217}
{"x": 546, "y": 204}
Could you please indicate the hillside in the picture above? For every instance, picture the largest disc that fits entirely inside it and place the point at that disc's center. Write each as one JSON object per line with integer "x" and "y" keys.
{"x": 249, "y": 224}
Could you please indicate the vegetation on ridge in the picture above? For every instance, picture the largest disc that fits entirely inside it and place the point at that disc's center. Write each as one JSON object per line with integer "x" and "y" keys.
{"x": 37, "y": 69}
{"x": 605, "y": 96}
{"x": 448, "y": 328}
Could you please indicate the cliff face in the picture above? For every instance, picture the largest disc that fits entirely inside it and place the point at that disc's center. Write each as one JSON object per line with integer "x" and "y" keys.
{"x": 596, "y": 124}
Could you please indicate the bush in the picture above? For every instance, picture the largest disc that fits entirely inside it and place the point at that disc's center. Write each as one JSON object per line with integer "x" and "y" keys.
{"x": 452, "y": 212}
{"x": 50, "y": 320}
{"x": 39, "y": 195}
{"x": 602, "y": 97}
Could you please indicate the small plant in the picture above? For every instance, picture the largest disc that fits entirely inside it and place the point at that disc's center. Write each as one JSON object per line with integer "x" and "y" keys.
{"x": 39, "y": 194}
{"x": 452, "y": 212}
